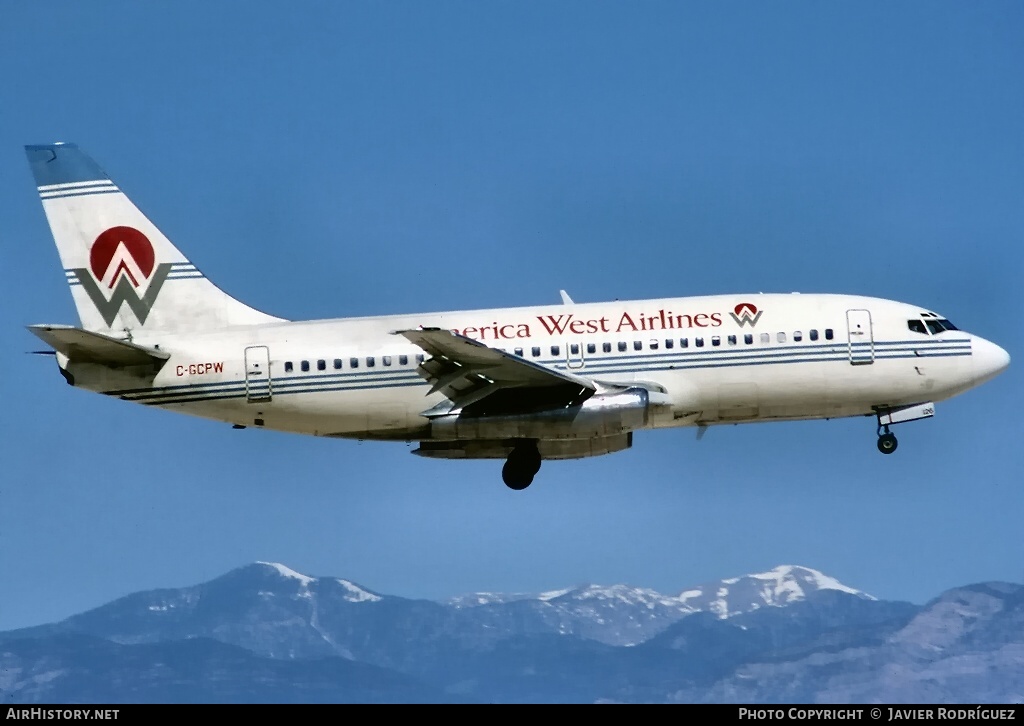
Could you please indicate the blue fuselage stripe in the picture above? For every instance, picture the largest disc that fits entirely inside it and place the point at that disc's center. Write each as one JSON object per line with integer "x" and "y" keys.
{"x": 288, "y": 384}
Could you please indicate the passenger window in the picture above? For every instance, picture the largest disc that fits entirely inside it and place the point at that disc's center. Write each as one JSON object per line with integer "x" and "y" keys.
{"x": 669, "y": 342}
{"x": 828, "y": 334}
{"x": 781, "y": 337}
{"x": 353, "y": 362}
{"x": 591, "y": 348}
{"x": 403, "y": 360}
{"x": 732, "y": 340}
{"x": 519, "y": 352}
{"x": 766, "y": 338}
{"x": 716, "y": 340}
{"x": 748, "y": 339}
{"x": 654, "y": 344}
{"x": 420, "y": 358}
{"x": 699, "y": 342}
{"x": 337, "y": 364}
{"x": 288, "y": 367}
{"x": 622, "y": 346}
{"x": 684, "y": 342}
{"x": 814, "y": 334}
{"x": 386, "y": 360}
{"x": 638, "y": 345}
{"x": 554, "y": 350}
{"x": 304, "y": 365}
{"x": 370, "y": 361}
{"x": 797, "y": 336}
{"x": 535, "y": 351}
{"x": 606, "y": 347}
{"x": 321, "y": 365}
{"x": 574, "y": 348}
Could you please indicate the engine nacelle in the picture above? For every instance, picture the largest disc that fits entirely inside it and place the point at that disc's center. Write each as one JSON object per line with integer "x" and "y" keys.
{"x": 603, "y": 414}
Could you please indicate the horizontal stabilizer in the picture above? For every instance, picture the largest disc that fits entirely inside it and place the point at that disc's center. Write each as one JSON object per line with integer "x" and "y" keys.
{"x": 83, "y": 346}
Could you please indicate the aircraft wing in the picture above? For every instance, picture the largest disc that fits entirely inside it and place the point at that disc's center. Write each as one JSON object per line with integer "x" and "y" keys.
{"x": 88, "y": 347}
{"x": 467, "y": 371}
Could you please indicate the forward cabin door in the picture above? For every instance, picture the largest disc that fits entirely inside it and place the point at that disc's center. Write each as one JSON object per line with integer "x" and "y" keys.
{"x": 257, "y": 373}
{"x": 861, "y": 337}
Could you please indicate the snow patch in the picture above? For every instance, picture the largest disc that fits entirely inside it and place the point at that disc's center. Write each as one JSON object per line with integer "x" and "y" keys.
{"x": 551, "y": 595}
{"x": 289, "y": 573}
{"x": 786, "y": 580}
{"x": 358, "y": 594}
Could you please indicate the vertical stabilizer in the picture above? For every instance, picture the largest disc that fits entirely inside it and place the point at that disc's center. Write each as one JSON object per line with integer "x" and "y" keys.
{"x": 124, "y": 274}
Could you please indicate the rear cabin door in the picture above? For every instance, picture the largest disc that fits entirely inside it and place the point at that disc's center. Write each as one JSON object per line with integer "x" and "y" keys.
{"x": 861, "y": 337}
{"x": 257, "y": 373}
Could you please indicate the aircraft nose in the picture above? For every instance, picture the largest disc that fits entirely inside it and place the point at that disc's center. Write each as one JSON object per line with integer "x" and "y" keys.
{"x": 988, "y": 358}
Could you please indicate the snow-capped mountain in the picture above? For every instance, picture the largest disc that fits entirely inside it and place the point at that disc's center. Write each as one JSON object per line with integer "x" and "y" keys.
{"x": 276, "y": 611}
{"x": 622, "y": 615}
{"x": 776, "y": 588}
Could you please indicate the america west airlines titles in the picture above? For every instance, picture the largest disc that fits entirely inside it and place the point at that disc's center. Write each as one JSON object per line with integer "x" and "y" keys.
{"x": 569, "y": 324}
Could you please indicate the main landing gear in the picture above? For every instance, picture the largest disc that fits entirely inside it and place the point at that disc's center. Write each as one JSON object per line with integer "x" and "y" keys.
{"x": 521, "y": 466}
{"x": 886, "y": 441}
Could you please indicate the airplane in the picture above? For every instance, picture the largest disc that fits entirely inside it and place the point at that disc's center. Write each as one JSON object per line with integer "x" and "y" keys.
{"x": 522, "y": 384}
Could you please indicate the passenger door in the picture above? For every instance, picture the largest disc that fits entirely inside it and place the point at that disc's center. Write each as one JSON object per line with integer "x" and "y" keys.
{"x": 860, "y": 336}
{"x": 257, "y": 373}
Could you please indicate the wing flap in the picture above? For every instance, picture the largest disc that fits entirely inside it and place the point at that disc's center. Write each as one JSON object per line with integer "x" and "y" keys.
{"x": 466, "y": 371}
{"x": 87, "y": 347}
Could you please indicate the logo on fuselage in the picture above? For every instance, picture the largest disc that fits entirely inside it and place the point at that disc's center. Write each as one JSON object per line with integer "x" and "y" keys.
{"x": 122, "y": 259}
{"x": 746, "y": 314}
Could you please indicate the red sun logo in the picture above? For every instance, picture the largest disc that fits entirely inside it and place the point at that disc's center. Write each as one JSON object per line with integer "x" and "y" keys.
{"x": 122, "y": 251}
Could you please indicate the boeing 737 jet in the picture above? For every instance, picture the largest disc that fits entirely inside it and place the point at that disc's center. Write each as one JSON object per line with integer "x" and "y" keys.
{"x": 525, "y": 384}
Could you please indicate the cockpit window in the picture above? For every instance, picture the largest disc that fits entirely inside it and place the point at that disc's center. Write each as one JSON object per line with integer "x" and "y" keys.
{"x": 932, "y": 326}
{"x": 937, "y": 325}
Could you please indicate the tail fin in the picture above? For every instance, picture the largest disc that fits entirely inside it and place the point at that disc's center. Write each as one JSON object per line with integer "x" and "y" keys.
{"x": 125, "y": 275}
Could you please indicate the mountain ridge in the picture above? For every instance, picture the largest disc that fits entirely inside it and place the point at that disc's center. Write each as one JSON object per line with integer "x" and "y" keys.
{"x": 789, "y": 634}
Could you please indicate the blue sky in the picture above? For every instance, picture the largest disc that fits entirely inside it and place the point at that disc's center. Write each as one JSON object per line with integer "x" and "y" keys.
{"x": 324, "y": 159}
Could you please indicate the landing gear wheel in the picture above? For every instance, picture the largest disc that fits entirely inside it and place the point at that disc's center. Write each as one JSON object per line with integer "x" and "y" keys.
{"x": 514, "y": 476}
{"x": 522, "y": 465}
{"x": 887, "y": 443}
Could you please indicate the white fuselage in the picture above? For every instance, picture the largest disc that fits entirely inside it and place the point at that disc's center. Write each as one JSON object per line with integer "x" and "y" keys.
{"x": 783, "y": 357}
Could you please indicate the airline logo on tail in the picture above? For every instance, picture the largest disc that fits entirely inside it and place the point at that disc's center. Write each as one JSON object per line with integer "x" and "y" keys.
{"x": 122, "y": 260}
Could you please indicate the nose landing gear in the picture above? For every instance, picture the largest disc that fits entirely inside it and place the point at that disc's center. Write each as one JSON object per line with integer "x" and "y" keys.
{"x": 521, "y": 466}
{"x": 890, "y": 415}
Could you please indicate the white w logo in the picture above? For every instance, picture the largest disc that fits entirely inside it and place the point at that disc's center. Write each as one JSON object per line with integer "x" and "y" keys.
{"x": 123, "y": 264}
